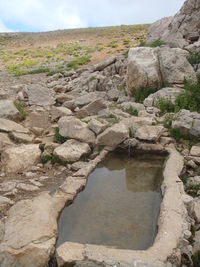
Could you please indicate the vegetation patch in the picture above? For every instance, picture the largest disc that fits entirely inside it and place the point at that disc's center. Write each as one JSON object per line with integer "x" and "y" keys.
{"x": 156, "y": 43}
{"x": 165, "y": 105}
{"x": 196, "y": 259}
{"x": 20, "y": 107}
{"x": 59, "y": 138}
{"x": 54, "y": 160}
{"x": 194, "y": 58}
{"x": 140, "y": 94}
{"x": 79, "y": 61}
{"x": 132, "y": 111}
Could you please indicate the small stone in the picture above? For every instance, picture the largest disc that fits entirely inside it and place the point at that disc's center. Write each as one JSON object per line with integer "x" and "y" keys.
{"x": 195, "y": 151}
{"x": 187, "y": 234}
{"x": 191, "y": 164}
{"x": 5, "y": 201}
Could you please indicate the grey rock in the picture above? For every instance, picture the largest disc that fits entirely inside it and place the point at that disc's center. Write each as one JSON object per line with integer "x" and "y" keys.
{"x": 8, "y": 110}
{"x": 39, "y": 95}
{"x": 91, "y": 109}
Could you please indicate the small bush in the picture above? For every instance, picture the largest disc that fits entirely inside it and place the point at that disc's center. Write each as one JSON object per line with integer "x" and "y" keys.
{"x": 20, "y": 107}
{"x": 59, "y": 138}
{"x": 165, "y": 106}
{"x": 157, "y": 43}
{"x": 142, "y": 93}
{"x": 132, "y": 111}
{"x": 190, "y": 99}
{"x": 192, "y": 190}
{"x": 194, "y": 58}
{"x": 196, "y": 259}
{"x": 53, "y": 159}
{"x": 79, "y": 61}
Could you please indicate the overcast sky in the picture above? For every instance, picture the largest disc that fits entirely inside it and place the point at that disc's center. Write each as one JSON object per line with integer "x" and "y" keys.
{"x": 46, "y": 15}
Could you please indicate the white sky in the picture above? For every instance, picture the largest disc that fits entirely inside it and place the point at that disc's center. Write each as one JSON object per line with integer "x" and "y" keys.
{"x": 45, "y": 15}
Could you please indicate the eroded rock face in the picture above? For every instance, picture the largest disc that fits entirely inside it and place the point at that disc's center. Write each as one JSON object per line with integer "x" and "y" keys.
{"x": 187, "y": 122}
{"x": 157, "y": 28}
{"x": 91, "y": 109}
{"x": 183, "y": 27}
{"x": 76, "y": 129}
{"x": 72, "y": 150}
{"x": 143, "y": 68}
{"x": 16, "y": 159}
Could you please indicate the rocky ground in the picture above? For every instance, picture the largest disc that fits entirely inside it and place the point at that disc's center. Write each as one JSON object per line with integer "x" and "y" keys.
{"x": 54, "y": 130}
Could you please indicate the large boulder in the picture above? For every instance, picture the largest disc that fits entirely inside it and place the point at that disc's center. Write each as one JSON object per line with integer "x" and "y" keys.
{"x": 187, "y": 122}
{"x": 143, "y": 68}
{"x": 157, "y": 28}
{"x": 114, "y": 135}
{"x": 74, "y": 128}
{"x": 8, "y": 110}
{"x": 174, "y": 66}
{"x": 17, "y": 158}
{"x": 153, "y": 67}
{"x": 167, "y": 93}
{"x": 72, "y": 150}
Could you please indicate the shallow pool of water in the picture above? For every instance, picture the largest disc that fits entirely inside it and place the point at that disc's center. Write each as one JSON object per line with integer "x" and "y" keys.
{"x": 119, "y": 206}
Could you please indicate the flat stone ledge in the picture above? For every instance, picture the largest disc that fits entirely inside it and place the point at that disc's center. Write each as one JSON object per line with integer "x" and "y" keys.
{"x": 172, "y": 224}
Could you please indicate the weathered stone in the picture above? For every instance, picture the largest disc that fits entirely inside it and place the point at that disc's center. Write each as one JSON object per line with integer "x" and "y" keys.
{"x": 73, "y": 185}
{"x": 5, "y": 201}
{"x": 102, "y": 65}
{"x": 36, "y": 221}
{"x": 4, "y": 141}
{"x": 27, "y": 187}
{"x": 16, "y": 159}
{"x": 74, "y": 128}
{"x": 157, "y": 28}
{"x": 149, "y": 133}
{"x": 187, "y": 122}
{"x": 57, "y": 112}
{"x": 196, "y": 210}
{"x": 168, "y": 93}
{"x": 113, "y": 136}
{"x": 91, "y": 109}
{"x": 78, "y": 165}
{"x": 174, "y": 66}
{"x": 195, "y": 151}
{"x": 194, "y": 48}
{"x": 11, "y": 126}
{"x": 39, "y": 95}
{"x": 143, "y": 68}
{"x": 7, "y": 186}
{"x": 113, "y": 94}
{"x": 88, "y": 98}
{"x": 98, "y": 125}
{"x": 193, "y": 180}
{"x": 21, "y": 137}
{"x": 8, "y": 110}
{"x": 133, "y": 105}
{"x": 72, "y": 150}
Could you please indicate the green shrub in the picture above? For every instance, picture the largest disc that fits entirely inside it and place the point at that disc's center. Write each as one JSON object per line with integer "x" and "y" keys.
{"x": 53, "y": 159}
{"x": 59, "y": 138}
{"x": 132, "y": 111}
{"x": 78, "y": 61}
{"x": 142, "y": 93}
{"x": 194, "y": 58}
{"x": 165, "y": 106}
{"x": 157, "y": 43}
{"x": 190, "y": 99}
{"x": 196, "y": 259}
{"x": 192, "y": 189}
{"x": 20, "y": 107}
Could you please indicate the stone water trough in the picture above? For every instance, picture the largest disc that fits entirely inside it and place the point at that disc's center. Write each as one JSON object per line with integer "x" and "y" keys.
{"x": 37, "y": 222}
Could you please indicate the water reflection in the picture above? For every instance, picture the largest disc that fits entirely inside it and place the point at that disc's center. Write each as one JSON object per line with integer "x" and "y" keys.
{"x": 119, "y": 206}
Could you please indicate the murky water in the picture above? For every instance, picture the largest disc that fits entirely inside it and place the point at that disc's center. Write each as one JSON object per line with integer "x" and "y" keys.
{"x": 119, "y": 206}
